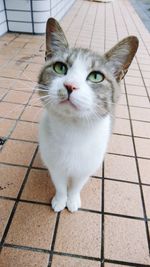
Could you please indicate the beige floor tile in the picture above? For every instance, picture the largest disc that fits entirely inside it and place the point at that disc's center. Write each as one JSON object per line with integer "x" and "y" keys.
{"x": 38, "y": 161}
{"x": 22, "y": 85}
{"x": 91, "y": 195}
{"x": 122, "y": 100}
{"x": 125, "y": 240}
{"x": 146, "y": 191}
{"x": 6, "y": 207}
{"x": 122, "y": 126}
{"x": 32, "y": 114}
{"x": 34, "y": 67}
{"x": 3, "y": 92}
{"x": 134, "y": 81}
{"x": 11, "y": 257}
{"x": 142, "y": 147}
{"x": 26, "y": 131}
{"x": 133, "y": 73}
{"x": 17, "y": 97}
{"x": 10, "y": 73}
{"x": 139, "y": 101}
{"x": 6, "y": 126}
{"x": 98, "y": 173}
{"x": 121, "y": 112}
{"x": 121, "y": 145}
{"x": 123, "y": 198}
{"x": 136, "y": 90}
{"x": 120, "y": 167}
{"x": 17, "y": 152}
{"x": 146, "y": 74}
{"x": 141, "y": 129}
{"x": 32, "y": 225}
{"x": 29, "y": 76}
{"x": 115, "y": 265}
{"x": 144, "y": 168}
{"x": 10, "y": 111}
{"x": 35, "y": 100}
{"x": 11, "y": 178}
{"x": 72, "y": 232}
{"x": 38, "y": 187}
{"x": 140, "y": 114}
{"x": 63, "y": 261}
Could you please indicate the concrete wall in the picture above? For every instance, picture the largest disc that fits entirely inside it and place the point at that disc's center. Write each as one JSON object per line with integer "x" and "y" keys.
{"x": 30, "y": 15}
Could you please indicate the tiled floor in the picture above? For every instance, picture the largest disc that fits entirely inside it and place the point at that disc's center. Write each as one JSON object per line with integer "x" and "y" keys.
{"x": 112, "y": 227}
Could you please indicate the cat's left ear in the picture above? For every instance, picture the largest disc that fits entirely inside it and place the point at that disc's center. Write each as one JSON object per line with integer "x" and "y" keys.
{"x": 119, "y": 58}
{"x": 55, "y": 38}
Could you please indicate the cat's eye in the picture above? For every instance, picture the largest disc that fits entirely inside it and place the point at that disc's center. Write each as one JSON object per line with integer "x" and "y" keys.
{"x": 60, "y": 68}
{"x": 95, "y": 77}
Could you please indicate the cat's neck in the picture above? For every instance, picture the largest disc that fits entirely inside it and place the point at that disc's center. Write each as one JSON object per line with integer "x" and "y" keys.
{"x": 75, "y": 123}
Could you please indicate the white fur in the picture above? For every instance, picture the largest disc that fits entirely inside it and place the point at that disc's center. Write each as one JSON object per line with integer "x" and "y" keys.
{"x": 72, "y": 146}
{"x": 72, "y": 151}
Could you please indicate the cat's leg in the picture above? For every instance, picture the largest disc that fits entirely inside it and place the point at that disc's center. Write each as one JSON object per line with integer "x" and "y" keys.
{"x": 60, "y": 199}
{"x": 73, "y": 199}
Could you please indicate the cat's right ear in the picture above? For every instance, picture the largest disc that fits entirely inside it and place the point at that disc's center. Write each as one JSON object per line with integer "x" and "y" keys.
{"x": 55, "y": 38}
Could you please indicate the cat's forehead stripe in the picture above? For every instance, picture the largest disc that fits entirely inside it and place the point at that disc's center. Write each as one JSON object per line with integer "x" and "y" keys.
{"x": 89, "y": 58}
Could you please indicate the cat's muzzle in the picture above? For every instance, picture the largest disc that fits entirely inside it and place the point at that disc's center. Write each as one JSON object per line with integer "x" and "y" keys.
{"x": 63, "y": 93}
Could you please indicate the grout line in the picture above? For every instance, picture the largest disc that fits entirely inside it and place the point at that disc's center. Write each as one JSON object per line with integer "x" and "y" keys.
{"x": 77, "y": 256}
{"x": 39, "y": 250}
{"x": 16, "y": 202}
{"x": 128, "y": 156}
{"x": 49, "y": 252}
{"x": 54, "y": 240}
{"x": 129, "y": 135}
{"x": 8, "y": 245}
{"x": 124, "y": 216}
{"x": 136, "y": 160}
{"x": 22, "y": 140}
{"x": 81, "y": 209}
{"x": 122, "y": 263}
{"x": 121, "y": 181}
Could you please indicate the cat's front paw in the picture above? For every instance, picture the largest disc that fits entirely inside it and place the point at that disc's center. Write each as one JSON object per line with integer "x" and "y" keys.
{"x": 73, "y": 203}
{"x": 58, "y": 204}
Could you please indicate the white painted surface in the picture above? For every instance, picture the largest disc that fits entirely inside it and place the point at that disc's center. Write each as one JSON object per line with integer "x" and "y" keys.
{"x": 20, "y": 17}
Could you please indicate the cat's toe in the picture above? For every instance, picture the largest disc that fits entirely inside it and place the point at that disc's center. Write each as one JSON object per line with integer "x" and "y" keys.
{"x": 58, "y": 204}
{"x": 73, "y": 204}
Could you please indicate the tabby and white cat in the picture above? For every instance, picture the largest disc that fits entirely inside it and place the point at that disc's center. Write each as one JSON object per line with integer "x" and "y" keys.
{"x": 79, "y": 89}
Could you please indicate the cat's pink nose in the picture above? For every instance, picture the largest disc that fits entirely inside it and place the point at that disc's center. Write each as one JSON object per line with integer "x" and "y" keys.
{"x": 70, "y": 87}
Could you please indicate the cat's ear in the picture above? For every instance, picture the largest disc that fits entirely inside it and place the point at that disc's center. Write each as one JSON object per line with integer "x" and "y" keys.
{"x": 55, "y": 38}
{"x": 119, "y": 58}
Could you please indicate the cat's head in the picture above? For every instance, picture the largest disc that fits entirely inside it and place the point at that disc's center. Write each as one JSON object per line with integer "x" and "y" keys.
{"x": 79, "y": 83}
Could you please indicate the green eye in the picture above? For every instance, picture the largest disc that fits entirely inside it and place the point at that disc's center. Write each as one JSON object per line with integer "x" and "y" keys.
{"x": 60, "y": 68}
{"x": 95, "y": 77}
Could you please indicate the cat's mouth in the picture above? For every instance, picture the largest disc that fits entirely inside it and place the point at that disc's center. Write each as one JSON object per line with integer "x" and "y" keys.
{"x": 68, "y": 102}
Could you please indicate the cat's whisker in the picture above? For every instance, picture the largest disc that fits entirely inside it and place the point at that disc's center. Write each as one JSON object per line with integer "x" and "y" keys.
{"x": 36, "y": 100}
{"x": 42, "y": 85}
{"x": 50, "y": 102}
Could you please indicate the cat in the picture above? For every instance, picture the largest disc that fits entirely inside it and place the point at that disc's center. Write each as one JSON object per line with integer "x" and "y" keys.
{"x": 79, "y": 89}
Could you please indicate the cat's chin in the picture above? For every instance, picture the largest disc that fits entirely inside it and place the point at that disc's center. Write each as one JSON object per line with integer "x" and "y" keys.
{"x": 68, "y": 111}
{"x": 69, "y": 103}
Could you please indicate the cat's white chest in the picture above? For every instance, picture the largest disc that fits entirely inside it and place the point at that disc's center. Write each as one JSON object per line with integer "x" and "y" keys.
{"x": 75, "y": 150}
